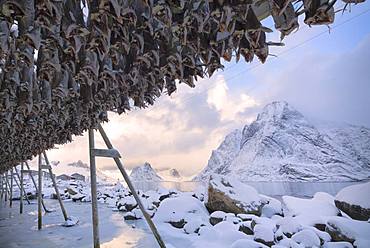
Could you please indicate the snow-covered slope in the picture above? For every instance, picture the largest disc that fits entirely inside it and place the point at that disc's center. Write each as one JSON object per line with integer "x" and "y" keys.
{"x": 282, "y": 145}
{"x": 144, "y": 173}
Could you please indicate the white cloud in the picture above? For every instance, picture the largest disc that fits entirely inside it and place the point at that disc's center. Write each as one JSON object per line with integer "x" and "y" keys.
{"x": 229, "y": 106}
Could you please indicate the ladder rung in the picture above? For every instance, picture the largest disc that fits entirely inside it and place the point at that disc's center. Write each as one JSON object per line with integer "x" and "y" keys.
{"x": 26, "y": 171}
{"x": 45, "y": 167}
{"x": 107, "y": 153}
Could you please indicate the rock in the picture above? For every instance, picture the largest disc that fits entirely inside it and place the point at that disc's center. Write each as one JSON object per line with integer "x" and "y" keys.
{"x": 71, "y": 191}
{"x": 246, "y": 228}
{"x": 130, "y": 216}
{"x": 354, "y": 211}
{"x": 307, "y": 238}
{"x": 232, "y": 196}
{"x": 264, "y": 234}
{"x": 217, "y": 217}
{"x": 178, "y": 224}
{"x": 180, "y": 210}
{"x": 78, "y": 197}
{"x": 354, "y": 200}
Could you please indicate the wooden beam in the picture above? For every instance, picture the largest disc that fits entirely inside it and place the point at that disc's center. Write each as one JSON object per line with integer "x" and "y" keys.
{"x": 2, "y": 186}
{"x": 94, "y": 201}
{"x": 6, "y": 186}
{"x": 45, "y": 167}
{"x": 21, "y": 191}
{"x": 132, "y": 189}
{"x": 11, "y": 189}
{"x": 52, "y": 176}
{"x": 39, "y": 195}
{"x": 21, "y": 188}
{"x": 106, "y": 153}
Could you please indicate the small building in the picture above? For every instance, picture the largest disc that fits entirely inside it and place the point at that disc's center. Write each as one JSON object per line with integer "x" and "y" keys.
{"x": 64, "y": 177}
{"x": 77, "y": 176}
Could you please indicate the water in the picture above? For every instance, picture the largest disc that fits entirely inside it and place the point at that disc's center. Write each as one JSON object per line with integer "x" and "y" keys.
{"x": 299, "y": 189}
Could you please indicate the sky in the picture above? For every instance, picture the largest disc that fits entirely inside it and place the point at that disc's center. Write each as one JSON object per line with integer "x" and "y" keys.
{"x": 323, "y": 72}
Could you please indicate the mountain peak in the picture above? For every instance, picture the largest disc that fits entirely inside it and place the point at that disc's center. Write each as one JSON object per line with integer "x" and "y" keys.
{"x": 282, "y": 145}
{"x": 278, "y": 110}
{"x": 144, "y": 173}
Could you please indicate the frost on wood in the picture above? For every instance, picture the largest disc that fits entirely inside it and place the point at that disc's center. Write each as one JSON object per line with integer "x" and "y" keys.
{"x": 62, "y": 68}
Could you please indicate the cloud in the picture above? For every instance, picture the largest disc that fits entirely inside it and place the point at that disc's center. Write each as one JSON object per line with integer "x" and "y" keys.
{"x": 230, "y": 107}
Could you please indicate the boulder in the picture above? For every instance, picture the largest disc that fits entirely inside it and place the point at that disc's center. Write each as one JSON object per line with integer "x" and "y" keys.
{"x": 232, "y": 196}
{"x": 216, "y": 217}
{"x": 71, "y": 191}
{"x": 348, "y": 230}
{"x": 355, "y": 201}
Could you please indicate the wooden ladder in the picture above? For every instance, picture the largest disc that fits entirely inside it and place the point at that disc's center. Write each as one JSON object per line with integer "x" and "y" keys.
{"x": 110, "y": 152}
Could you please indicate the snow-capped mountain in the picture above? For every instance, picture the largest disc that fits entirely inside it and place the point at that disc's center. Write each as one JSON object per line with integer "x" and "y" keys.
{"x": 144, "y": 173}
{"x": 282, "y": 145}
{"x": 170, "y": 175}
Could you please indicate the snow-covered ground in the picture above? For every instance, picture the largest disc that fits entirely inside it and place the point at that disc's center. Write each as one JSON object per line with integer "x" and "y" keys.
{"x": 184, "y": 221}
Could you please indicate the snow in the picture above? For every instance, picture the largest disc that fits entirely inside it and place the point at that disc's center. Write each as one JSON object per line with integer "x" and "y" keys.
{"x": 354, "y": 195}
{"x": 144, "y": 173}
{"x": 264, "y": 232}
{"x": 337, "y": 245}
{"x": 353, "y": 229}
{"x": 181, "y": 208}
{"x": 307, "y": 237}
{"x": 218, "y": 215}
{"x": 71, "y": 221}
{"x": 246, "y": 195}
{"x": 243, "y": 243}
{"x": 321, "y": 204}
{"x": 183, "y": 221}
{"x": 282, "y": 145}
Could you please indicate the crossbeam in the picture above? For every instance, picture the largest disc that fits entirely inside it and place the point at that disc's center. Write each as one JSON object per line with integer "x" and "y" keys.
{"x": 116, "y": 156}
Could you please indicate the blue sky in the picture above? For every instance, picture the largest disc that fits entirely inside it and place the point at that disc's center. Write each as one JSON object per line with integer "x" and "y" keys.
{"x": 327, "y": 77}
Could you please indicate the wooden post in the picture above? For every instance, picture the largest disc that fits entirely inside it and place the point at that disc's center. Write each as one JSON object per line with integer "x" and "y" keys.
{"x": 55, "y": 187}
{"x": 132, "y": 189}
{"x": 94, "y": 201}
{"x": 6, "y": 186}
{"x": 39, "y": 195}
{"x": 21, "y": 191}
{"x": 11, "y": 189}
{"x": 34, "y": 184}
{"x": 21, "y": 188}
{"x": 2, "y": 186}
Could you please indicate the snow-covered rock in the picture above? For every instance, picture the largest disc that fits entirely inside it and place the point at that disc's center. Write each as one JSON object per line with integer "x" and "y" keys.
{"x": 180, "y": 210}
{"x": 282, "y": 145}
{"x": 144, "y": 173}
{"x": 322, "y": 204}
{"x": 306, "y": 237}
{"x": 230, "y": 195}
{"x": 343, "y": 229}
{"x": 355, "y": 201}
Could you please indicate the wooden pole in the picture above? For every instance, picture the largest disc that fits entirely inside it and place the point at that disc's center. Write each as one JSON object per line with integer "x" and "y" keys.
{"x": 2, "y": 186}
{"x": 22, "y": 189}
{"x": 94, "y": 201}
{"x": 34, "y": 184}
{"x": 39, "y": 195}
{"x": 11, "y": 189}
{"x": 55, "y": 187}
{"x": 6, "y": 186}
{"x": 132, "y": 189}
